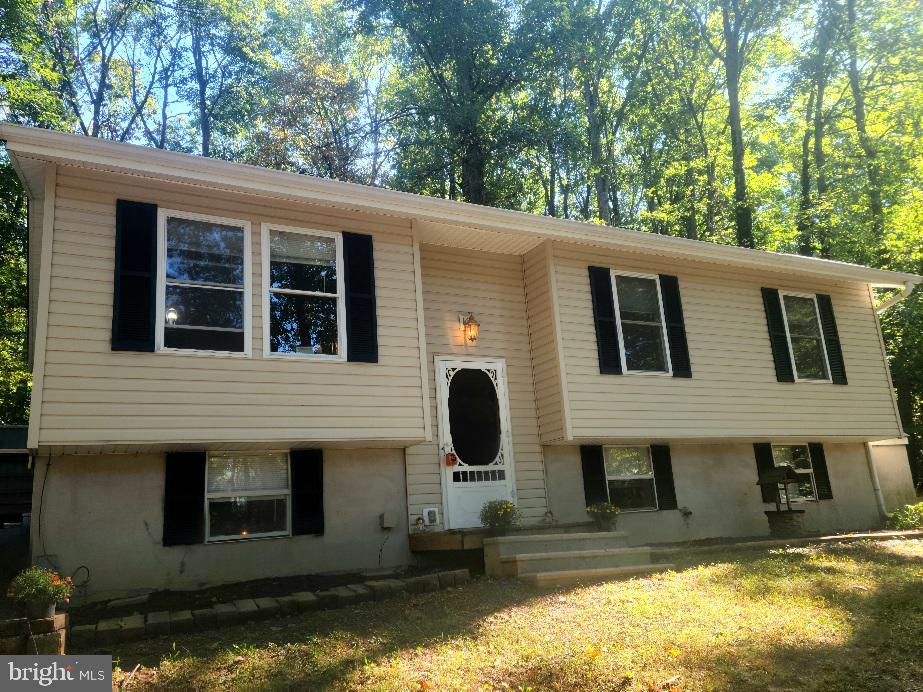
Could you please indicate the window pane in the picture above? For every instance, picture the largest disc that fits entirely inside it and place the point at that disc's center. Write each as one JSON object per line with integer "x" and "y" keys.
{"x": 239, "y": 472}
{"x": 637, "y": 493}
{"x": 303, "y": 324}
{"x": 802, "y": 316}
{"x": 628, "y": 461}
{"x": 644, "y": 347}
{"x": 194, "y": 306}
{"x": 246, "y": 516}
{"x": 796, "y": 456}
{"x": 809, "y": 358}
{"x": 638, "y": 299}
{"x": 204, "y": 339}
{"x": 204, "y": 251}
{"x": 303, "y": 262}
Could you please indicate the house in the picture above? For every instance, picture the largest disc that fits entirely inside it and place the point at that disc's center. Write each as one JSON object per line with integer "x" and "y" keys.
{"x": 242, "y": 373}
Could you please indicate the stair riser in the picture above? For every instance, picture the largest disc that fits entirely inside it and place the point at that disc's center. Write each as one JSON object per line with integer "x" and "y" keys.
{"x": 556, "y": 564}
{"x": 569, "y": 579}
{"x": 558, "y": 544}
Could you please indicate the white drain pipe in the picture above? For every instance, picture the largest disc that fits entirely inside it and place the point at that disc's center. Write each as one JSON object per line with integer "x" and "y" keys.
{"x": 897, "y": 297}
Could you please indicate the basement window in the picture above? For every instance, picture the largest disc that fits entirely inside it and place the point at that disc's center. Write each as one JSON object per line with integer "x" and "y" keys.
{"x": 247, "y": 495}
{"x": 798, "y": 457}
{"x": 630, "y": 478}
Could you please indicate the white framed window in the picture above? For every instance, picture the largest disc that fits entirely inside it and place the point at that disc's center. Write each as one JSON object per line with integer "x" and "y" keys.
{"x": 247, "y": 495}
{"x": 203, "y": 284}
{"x": 798, "y": 457}
{"x": 805, "y": 338}
{"x": 641, "y": 324}
{"x": 630, "y": 478}
{"x": 304, "y": 299}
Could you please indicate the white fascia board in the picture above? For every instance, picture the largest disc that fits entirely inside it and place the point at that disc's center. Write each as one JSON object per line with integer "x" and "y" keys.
{"x": 132, "y": 159}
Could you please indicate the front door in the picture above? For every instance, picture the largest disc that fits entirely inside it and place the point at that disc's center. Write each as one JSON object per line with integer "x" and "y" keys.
{"x": 474, "y": 437}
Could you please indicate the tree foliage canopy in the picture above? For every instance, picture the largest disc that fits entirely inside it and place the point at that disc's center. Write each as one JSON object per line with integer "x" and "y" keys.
{"x": 790, "y": 125}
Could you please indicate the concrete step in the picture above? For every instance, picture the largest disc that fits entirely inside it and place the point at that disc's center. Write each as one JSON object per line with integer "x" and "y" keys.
{"x": 554, "y": 542}
{"x": 567, "y": 560}
{"x": 585, "y": 576}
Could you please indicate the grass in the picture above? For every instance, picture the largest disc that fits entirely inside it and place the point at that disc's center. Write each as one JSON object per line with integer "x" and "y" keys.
{"x": 831, "y": 617}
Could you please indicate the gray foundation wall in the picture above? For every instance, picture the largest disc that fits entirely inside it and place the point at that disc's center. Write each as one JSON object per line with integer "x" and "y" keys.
{"x": 106, "y": 512}
{"x": 717, "y": 482}
{"x": 894, "y": 475}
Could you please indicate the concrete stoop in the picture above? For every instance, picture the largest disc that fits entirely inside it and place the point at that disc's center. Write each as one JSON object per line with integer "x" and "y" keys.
{"x": 567, "y": 558}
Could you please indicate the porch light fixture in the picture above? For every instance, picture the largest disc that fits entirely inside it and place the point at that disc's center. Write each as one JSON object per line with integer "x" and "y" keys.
{"x": 470, "y": 327}
{"x": 172, "y": 316}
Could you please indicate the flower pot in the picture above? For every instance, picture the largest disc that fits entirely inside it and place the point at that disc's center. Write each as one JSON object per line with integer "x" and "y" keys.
{"x": 605, "y": 523}
{"x": 496, "y": 531}
{"x": 37, "y": 610}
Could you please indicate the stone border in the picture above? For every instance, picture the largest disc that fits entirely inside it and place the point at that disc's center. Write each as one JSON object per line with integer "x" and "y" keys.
{"x": 134, "y": 627}
{"x": 42, "y": 636}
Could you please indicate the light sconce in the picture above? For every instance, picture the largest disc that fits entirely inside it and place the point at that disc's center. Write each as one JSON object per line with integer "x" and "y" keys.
{"x": 172, "y": 316}
{"x": 470, "y": 327}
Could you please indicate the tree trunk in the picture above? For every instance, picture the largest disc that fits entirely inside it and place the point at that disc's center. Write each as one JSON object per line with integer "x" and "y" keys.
{"x": 473, "y": 170}
{"x": 805, "y": 224}
{"x": 198, "y": 57}
{"x": 869, "y": 152}
{"x": 552, "y": 183}
{"x": 594, "y": 133}
{"x": 689, "y": 225}
{"x": 743, "y": 214}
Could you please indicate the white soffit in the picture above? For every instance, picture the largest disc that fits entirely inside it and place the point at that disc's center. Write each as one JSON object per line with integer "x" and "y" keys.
{"x": 466, "y": 237}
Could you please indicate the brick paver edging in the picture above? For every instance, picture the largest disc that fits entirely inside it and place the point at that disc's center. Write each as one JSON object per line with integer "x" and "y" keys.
{"x": 85, "y": 638}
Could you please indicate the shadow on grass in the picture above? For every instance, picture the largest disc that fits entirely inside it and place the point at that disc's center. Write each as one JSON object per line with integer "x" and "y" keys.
{"x": 863, "y": 584}
{"x": 296, "y": 653}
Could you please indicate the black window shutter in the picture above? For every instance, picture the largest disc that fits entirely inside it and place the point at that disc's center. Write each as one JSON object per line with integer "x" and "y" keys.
{"x": 594, "y": 474}
{"x": 307, "y": 492}
{"x": 821, "y": 476}
{"x": 184, "y": 499}
{"x": 676, "y": 325}
{"x": 778, "y": 339}
{"x": 607, "y": 338}
{"x": 764, "y": 462}
{"x": 135, "y": 280}
{"x": 361, "y": 319}
{"x": 832, "y": 339}
{"x": 663, "y": 477}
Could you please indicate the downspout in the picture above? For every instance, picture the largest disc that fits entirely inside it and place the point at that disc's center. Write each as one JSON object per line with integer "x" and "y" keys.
{"x": 897, "y": 297}
{"x": 876, "y": 484}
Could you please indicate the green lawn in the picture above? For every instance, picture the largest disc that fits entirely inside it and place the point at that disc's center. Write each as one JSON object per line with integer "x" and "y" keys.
{"x": 846, "y": 616}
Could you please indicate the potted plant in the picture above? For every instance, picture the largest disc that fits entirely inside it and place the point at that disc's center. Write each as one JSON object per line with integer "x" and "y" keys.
{"x": 498, "y": 516}
{"x": 604, "y": 514}
{"x": 38, "y": 590}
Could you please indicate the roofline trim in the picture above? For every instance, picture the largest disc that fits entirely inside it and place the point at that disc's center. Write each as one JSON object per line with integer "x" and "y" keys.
{"x": 143, "y": 161}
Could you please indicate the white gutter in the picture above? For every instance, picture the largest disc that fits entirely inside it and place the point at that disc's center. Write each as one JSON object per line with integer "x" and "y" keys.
{"x": 897, "y": 297}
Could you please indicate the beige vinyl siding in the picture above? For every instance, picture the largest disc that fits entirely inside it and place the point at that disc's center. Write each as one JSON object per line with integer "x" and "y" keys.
{"x": 94, "y": 396}
{"x": 491, "y": 286}
{"x": 546, "y": 371}
{"x": 733, "y": 391}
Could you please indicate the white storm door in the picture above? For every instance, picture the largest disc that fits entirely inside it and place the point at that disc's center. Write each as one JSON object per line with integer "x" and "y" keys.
{"x": 474, "y": 425}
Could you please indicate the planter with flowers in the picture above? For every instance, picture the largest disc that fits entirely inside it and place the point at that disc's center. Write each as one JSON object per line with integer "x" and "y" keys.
{"x": 38, "y": 591}
{"x": 499, "y": 516}
{"x": 604, "y": 514}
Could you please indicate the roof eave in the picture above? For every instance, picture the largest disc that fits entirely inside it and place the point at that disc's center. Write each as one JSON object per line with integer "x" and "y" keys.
{"x": 217, "y": 174}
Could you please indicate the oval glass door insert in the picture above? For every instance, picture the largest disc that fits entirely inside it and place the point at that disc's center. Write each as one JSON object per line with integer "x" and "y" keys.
{"x": 474, "y": 417}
